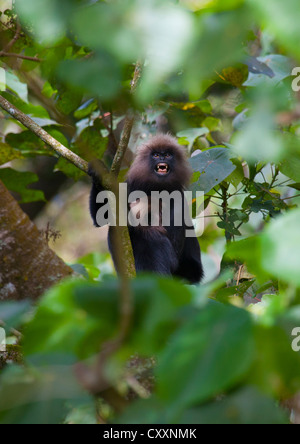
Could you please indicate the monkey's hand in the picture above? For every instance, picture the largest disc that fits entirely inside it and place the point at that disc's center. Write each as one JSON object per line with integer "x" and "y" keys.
{"x": 95, "y": 170}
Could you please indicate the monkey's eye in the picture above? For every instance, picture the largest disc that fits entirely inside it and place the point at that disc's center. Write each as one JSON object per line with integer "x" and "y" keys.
{"x": 168, "y": 155}
{"x": 155, "y": 155}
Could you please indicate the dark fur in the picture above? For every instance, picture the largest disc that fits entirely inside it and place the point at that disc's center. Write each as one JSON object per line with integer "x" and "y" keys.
{"x": 162, "y": 250}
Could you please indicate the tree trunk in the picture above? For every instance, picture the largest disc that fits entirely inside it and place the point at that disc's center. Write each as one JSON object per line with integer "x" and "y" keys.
{"x": 28, "y": 266}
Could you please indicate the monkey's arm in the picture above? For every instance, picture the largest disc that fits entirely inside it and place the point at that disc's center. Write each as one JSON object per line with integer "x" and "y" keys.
{"x": 97, "y": 187}
{"x": 190, "y": 266}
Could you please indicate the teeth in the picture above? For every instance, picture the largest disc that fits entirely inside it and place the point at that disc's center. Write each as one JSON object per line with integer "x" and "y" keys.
{"x": 162, "y": 168}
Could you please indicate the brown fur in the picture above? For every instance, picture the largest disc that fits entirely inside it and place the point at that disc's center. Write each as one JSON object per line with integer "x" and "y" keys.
{"x": 140, "y": 167}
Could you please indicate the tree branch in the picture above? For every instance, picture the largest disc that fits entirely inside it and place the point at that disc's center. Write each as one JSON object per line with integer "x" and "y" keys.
{"x": 14, "y": 39}
{"x": 128, "y": 125}
{"x": 43, "y": 135}
{"x": 28, "y": 266}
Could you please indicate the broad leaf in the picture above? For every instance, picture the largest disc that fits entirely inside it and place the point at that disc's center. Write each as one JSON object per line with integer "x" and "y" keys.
{"x": 281, "y": 252}
{"x": 214, "y": 166}
{"x": 211, "y": 353}
{"x": 18, "y": 182}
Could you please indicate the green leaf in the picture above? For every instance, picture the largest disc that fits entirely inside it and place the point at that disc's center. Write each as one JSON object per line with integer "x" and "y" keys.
{"x": 91, "y": 141}
{"x": 150, "y": 411}
{"x": 280, "y": 20}
{"x": 214, "y": 166}
{"x": 38, "y": 396}
{"x": 7, "y": 153}
{"x": 68, "y": 101}
{"x": 99, "y": 76}
{"x": 90, "y": 144}
{"x": 296, "y": 186}
{"x": 69, "y": 169}
{"x": 290, "y": 167}
{"x": 249, "y": 251}
{"x": 236, "y": 76}
{"x": 212, "y": 124}
{"x": 115, "y": 28}
{"x": 192, "y": 134}
{"x": 15, "y": 85}
{"x": 18, "y": 182}
{"x": 45, "y": 16}
{"x": 12, "y": 313}
{"x": 210, "y": 52}
{"x": 62, "y": 325}
{"x": 245, "y": 406}
{"x": 25, "y": 141}
{"x": 77, "y": 317}
{"x": 83, "y": 414}
{"x": 31, "y": 145}
{"x": 281, "y": 252}
{"x": 214, "y": 5}
{"x": 160, "y": 309}
{"x": 258, "y": 139}
{"x": 86, "y": 109}
{"x": 237, "y": 175}
{"x": 47, "y": 90}
{"x": 280, "y": 65}
{"x": 95, "y": 27}
{"x": 229, "y": 227}
{"x": 208, "y": 355}
{"x": 27, "y": 108}
{"x": 276, "y": 369}
{"x": 205, "y": 106}
{"x": 157, "y": 308}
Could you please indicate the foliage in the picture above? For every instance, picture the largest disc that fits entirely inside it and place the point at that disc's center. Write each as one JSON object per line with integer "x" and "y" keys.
{"x": 220, "y": 73}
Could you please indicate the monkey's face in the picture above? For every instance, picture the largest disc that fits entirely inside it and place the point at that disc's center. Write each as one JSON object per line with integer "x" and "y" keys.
{"x": 162, "y": 163}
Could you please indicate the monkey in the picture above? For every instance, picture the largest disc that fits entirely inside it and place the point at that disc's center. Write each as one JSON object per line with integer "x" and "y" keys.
{"x": 160, "y": 165}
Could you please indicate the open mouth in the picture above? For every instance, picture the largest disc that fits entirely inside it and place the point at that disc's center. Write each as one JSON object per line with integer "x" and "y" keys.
{"x": 162, "y": 168}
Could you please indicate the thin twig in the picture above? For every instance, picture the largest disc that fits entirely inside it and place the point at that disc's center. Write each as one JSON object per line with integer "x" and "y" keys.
{"x": 228, "y": 235}
{"x": 20, "y": 56}
{"x": 216, "y": 191}
{"x": 284, "y": 183}
{"x": 123, "y": 145}
{"x": 292, "y": 197}
{"x": 261, "y": 172}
